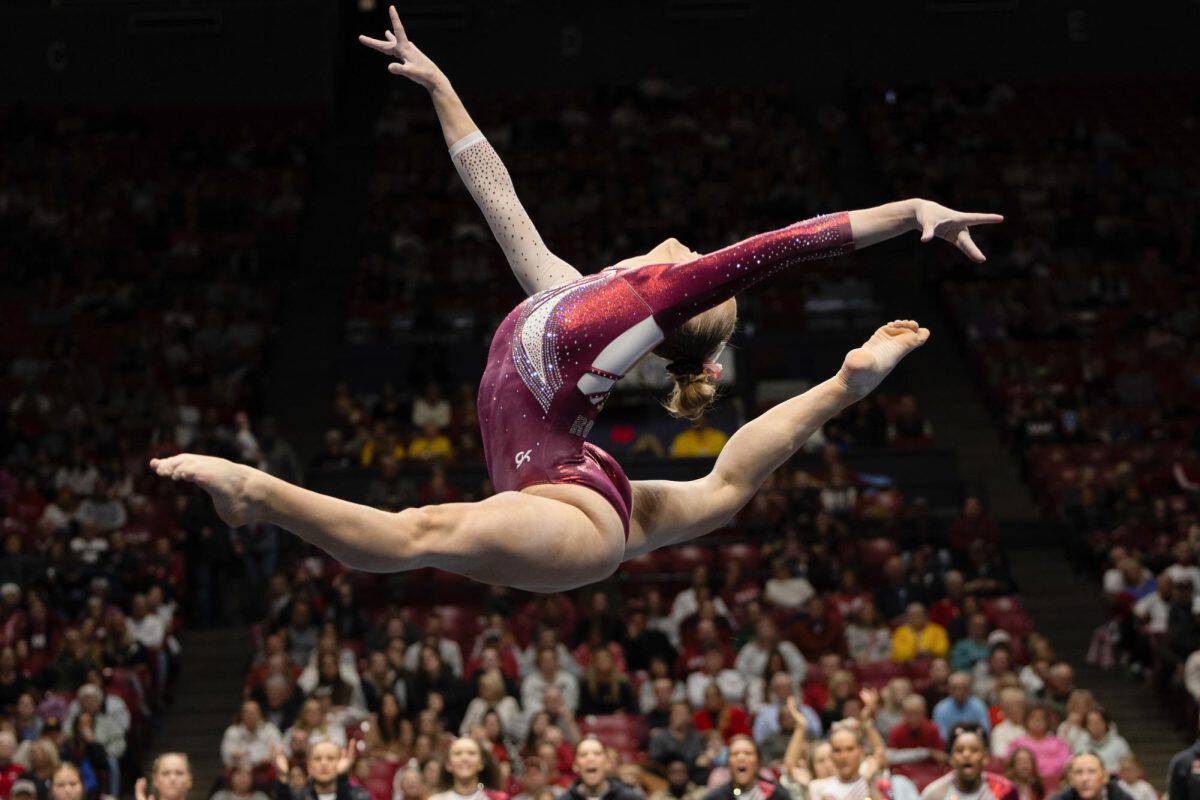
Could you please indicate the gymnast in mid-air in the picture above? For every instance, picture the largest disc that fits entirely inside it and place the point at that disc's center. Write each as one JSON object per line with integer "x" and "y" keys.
{"x": 564, "y": 515}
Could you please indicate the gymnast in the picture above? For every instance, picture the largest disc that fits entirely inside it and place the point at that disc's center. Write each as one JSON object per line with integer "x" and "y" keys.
{"x": 564, "y": 515}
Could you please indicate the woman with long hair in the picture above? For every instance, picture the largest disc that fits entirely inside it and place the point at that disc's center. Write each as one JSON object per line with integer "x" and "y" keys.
{"x": 1022, "y": 770}
{"x": 552, "y": 365}
{"x": 493, "y": 697}
{"x": 469, "y": 773}
{"x": 604, "y": 690}
{"x": 170, "y": 778}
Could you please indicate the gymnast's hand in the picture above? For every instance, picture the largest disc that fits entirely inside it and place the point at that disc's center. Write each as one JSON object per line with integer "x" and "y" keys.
{"x": 933, "y": 220}
{"x": 410, "y": 62}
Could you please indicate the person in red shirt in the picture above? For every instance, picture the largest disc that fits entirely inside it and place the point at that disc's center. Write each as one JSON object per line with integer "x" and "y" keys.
{"x": 9, "y": 770}
{"x": 731, "y": 720}
{"x": 949, "y": 608}
{"x": 818, "y": 630}
{"x": 916, "y": 739}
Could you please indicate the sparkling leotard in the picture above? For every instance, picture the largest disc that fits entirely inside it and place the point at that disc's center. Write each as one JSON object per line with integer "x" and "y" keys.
{"x": 556, "y": 357}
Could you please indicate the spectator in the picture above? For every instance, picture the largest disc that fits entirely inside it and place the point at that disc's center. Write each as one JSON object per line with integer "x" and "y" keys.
{"x": 1050, "y": 752}
{"x": 430, "y": 445}
{"x": 548, "y": 674}
{"x": 24, "y": 789}
{"x": 973, "y": 647}
{"x": 680, "y": 741}
{"x": 918, "y": 637}
{"x": 731, "y": 683}
{"x": 891, "y": 709}
{"x": 752, "y": 658}
{"x": 658, "y": 692}
{"x": 43, "y": 759}
{"x": 593, "y": 769}
{"x": 315, "y": 725}
{"x": 603, "y": 689}
{"x": 993, "y": 671}
{"x": 785, "y": 590}
{"x": 1022, "y": 770}
{"x": 1088, "y": 780}
{"x": 105, "y": 731}
{"x": 717, "y": 713}
{"x": 431, "y": 409}
{"x": 680, "y": 785}
{"x": 170, "y": 778}
{"x": 469, "y": 766}
{"x": 960, "y": 707}
{"x": 535, "y": 780}
{"x": 769, "y": 715}
{"x": 67, "y": 783}
{"x": 1059, "y": 684}
{"x": 847, "y": 782}
{"x": 328, "y": 767}
{"x": 915, "y": 738}
{"x": 701, "y": 440}
{"x": 967, "y": 778}
{"x": 744, "y": 776}
{"x": 868, "y": 638}
{"x": 241, "y": 786}
{"x": 9, "y": 769}
{"x": 250, "y": 741}
{"x": 1101, "y": 739}
{"x": 1013, "y": 703}
{"x": 818, "y": 630}
{"x": 447, "y": 649}
{"x": 1133, "y": 781}
{"x": 493, "y": 696}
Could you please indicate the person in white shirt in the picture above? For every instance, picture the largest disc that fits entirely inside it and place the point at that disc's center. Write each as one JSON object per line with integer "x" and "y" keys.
{"x": 731, "y": 682}
{"x": 1153, "y": 609}
{"x": 752, "y": 658}
{"x": 846, "y": 783}
{"x": 448, "y": 649}
{"x": 1013, "y": 702}
{"x": 786, "y": 590}
{"x": 250, "y": 740}
{"x": 547, "y": 636}
{"x": 146, "y": 628}
{"x": 1113, "y": 581}
{"x": 548, "y": 673}
{"x": 431, "y": 409}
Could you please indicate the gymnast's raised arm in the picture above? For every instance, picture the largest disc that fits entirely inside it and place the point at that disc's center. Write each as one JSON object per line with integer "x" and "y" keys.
{"x": 479, "y": 166}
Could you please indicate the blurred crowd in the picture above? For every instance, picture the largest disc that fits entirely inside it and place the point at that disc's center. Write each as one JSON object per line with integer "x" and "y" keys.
{"x": 1085, "y": 327}
{"x": 140, "y": 259}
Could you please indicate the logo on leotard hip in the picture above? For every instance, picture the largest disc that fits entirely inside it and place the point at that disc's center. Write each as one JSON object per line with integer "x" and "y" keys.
{"x": 522, "y": 457}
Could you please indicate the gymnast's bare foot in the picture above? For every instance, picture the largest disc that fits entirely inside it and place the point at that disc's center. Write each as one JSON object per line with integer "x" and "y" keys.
{"x": 865, "y": 367}
{"x": 235, "y": 488}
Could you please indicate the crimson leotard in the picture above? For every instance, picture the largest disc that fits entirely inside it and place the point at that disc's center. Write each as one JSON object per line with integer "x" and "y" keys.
{"x": 556, "y": 356}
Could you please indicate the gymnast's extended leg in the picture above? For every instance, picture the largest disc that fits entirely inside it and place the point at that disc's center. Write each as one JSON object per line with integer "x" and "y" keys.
{"x": 670, "y": 512}
{"x": 547, "y": 538}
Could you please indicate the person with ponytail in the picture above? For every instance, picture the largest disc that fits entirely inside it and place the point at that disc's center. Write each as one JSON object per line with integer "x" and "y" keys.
{"x": 565, "y": 514}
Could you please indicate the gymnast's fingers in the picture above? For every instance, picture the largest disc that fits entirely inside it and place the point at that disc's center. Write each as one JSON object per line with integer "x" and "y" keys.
{"x": 982, "y": 219}
{"x": 380, "y": 45}
{"x": 964, "y": 242}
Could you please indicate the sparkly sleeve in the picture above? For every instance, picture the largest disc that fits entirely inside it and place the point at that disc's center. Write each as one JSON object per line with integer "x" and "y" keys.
{"x": 677, "y": 292}
{"x": 481, "y": 169}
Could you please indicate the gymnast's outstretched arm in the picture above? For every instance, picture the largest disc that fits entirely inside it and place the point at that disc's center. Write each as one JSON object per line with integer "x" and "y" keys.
{"x": 670, "y": 512}
{"x": 479, "y": 166}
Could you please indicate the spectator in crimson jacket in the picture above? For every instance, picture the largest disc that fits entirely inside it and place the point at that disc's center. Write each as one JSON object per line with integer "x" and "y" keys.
{"x": 915, "y": 738}
{"x": 818, "y": 630}
{"x": 729, "y": 719}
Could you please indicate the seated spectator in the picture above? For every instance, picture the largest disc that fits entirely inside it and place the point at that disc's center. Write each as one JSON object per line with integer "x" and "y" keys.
{"x": 915, "y": 738}
{"x": 868, "y": 638}
{"x": 314, "y": 725}
{"x": 1021, "y": 769}
{"x": 80, "y": 750}
{"x": 699, "y": 441}
{"x": 250, "y": 741}
{"x": 960, "y": 706}
{"x": 643, "y": 644}
{"x": 657, "y": 693}
{"x": 1101, "y": 739}
{"x": 717, "y": 713}
{"x": 843, "y": 690}
{"x": 995, "y": 670}
{"x": 548, "y": 674}
{"x": 493, "y": 696}
{"x": 535, "y": 781}
{"x": 101, "y": 728}
{"x": 715, "y": 672}
{"x": 891, "y": 708}
{"x": 603, "y": 689}
{"x": 973, "y": 647}
{"x": 744, "y": 778}
{"x": 767, "y": 719}
{"x": 680, "y": 785}
{"x": 785, "y": 590}
{"x": 43, "y": 758}
{"x": 1058, "y": 685}
{"x": 1088, "y": 780}
{"x": 1071, "y": 730}
{"x": 389, "y": 733}
{"x": 818, "y": 630}
{"x": 240, "y": 786}
{"x": 1050, "y": 752}
{"x": 447, "y": 649}
{"x": 547, "y": 636}
{"x": 431, "y": 408}
{"x": 1133, "y": 780}
{"x": 1013, "y": 703}
{"x": 918, "y": 637}
{"x": 469, "y": 767}
{"x": 430, "y": 445}
{"x": 68, "y": 783}
{"x": 752, "y": 658}
{"x": 680, "y": 741}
